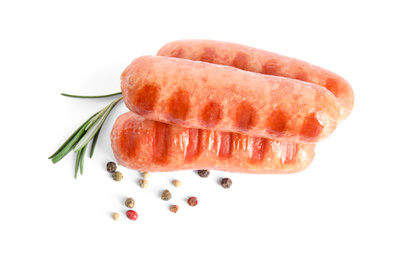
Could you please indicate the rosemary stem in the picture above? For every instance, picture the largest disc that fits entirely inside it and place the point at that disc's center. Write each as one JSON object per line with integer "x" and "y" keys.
{"x": 101, "y": 96}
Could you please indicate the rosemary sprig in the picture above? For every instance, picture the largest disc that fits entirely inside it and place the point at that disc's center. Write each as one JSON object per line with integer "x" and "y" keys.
{"x": 88, "y": 131}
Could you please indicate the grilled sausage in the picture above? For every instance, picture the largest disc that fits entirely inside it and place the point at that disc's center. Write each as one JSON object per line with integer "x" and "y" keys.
{"x": 265, "y": 62}
{"x": 208, "y": 96}
{"x": 147, "y": 145}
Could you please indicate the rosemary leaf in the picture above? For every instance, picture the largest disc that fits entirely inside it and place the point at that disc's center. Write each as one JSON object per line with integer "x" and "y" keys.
{"x": 101, "y": 96}
{"x": 82, "y": 155}
{"x": 71, "y": 137}
{"x": 94, "y": 141}
{"x": 70, "y": 145}
{"x": 77, "y": 162}
{"x": 100, "y": 113}
{"x": 91, "y": 132}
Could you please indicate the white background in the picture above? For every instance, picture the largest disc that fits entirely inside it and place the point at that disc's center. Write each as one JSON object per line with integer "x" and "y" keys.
{"x": 346, "y": 205}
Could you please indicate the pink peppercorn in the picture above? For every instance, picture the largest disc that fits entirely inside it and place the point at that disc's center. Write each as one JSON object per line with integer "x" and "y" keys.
{"x": 192, "y": 201}
{"x": 131, "y": 214}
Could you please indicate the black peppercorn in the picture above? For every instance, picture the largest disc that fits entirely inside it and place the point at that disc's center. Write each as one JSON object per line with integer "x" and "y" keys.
{"x": 226, "y": 183}
{"x": 203, "y": 173}
{"x": 111, "y": 167}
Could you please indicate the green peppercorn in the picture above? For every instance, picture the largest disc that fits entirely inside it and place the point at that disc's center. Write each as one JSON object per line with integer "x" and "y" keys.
{"x": 117, "y": 176}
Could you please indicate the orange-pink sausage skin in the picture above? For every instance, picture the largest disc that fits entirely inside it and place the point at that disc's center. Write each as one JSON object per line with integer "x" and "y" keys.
{"x": 201, "y": 95}
{"x": 265, "y": 62}
{"x": 146, "y": 145}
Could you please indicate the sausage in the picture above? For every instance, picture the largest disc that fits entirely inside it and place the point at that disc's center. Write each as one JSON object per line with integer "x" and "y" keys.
{"x": 196, "y": 94}
{"x": 265, "y": 62}
{"x": 147, "y": 145}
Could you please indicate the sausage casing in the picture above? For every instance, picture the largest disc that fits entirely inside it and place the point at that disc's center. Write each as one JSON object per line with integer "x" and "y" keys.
{"x": 202, "y": 95}
{"x": 265, "y": 62}
{"x": 147, "y": 145}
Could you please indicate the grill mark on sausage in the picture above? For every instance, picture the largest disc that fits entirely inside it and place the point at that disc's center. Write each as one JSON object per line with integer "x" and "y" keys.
{"x": 160, "y": 143}
{"x": 258, "y": 149}
{"x": 270, "y": 68}
{"x": 208, "y": 55}
{"x": 211, "y": 114}
{"x": 245, "y": 116}
{"x": 194, "y": 144}
{"x": 276, "y": 122}
{"x": 288, "y": 152}
{"x": 311, "y": 128}
{"x": 240, "y": 61}
{"x": 302, "y": 74}
{"x": 145, "y": 99}
{"x": 225, "y": 145}
{"x": 128, "y": 140}
{"x": 178, "y": 106}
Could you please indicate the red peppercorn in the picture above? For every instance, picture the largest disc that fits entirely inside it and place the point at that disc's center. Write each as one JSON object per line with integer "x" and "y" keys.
{"x": 192, "y": 201}
{"x": 131, "y": 214}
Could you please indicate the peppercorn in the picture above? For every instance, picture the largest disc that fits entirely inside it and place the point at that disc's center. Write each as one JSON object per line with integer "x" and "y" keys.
{"x": 145, "y": 175}
{"x": 177, "y": 183}
{"x": 111, "y": 167}
{"x": 143, "y": 183}
{"x": 166, "y": 195}
{"x": 226, "y": 183}
{"x": 115, "y": 216}
{"x": 192, "y": 201}
{"x": 203, "y": 173}
{"x": 131, "y": 214}
{"x": 174, "y": 208}
{"x": 117, "y": 176}
{"x": 130, "y": 203}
